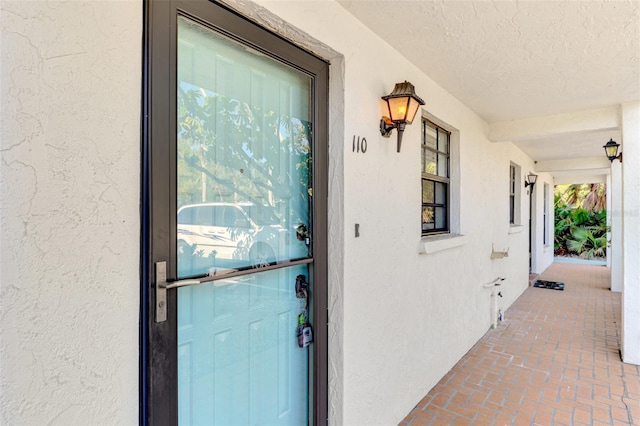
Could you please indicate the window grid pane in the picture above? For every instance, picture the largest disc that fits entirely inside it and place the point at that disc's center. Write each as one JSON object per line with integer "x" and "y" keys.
{"x": 512, "y": 174}
{"x": 545, "y": 207}
{"x": 443, "y": 165}
{"x": 429, "y": 164}
{"x": 428, "y": 217}
{"x": 435, "y": 168}
{"x": 441, "y": 218}
{"x": 430, "y": 137}
{"x": 440, "y": 193}
{"x": 512, "y": 209}
{"x": 512, "y": 194}
{"x": 428, "y": 193}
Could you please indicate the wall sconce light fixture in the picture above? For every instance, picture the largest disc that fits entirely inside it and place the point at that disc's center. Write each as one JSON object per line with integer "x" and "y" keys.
{"x": 530, "y": 180}
{"x": 611, "y": 149}
{"x": 403, "y": 104}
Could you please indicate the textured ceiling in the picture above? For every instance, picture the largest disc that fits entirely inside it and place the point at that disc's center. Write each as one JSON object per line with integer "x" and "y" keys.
{"x": 516, "y": 59}
{"x": 510, "y": 60}
{"x": 587, "y": 144}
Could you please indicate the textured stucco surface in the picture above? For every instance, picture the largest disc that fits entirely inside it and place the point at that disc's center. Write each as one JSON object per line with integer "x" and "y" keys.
{"x": 516, "y": 59}
{"x": 69, "y": 257}
{"x": 335, "y": 205}
{"x": 406, "y": 317}
{"x": 617, "y": 249}
{"x": 631, "y": 230}
{"x": 69, "y": 201}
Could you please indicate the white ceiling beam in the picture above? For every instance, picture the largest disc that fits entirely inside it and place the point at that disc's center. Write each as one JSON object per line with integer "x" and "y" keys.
{"x": 573, "y": 178}
{"x": 602, "y": 165}
{"x": 540, "y": 127}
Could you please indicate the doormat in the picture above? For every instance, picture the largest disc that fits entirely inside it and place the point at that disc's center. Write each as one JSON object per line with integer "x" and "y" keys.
{"x": 552, "y": 285}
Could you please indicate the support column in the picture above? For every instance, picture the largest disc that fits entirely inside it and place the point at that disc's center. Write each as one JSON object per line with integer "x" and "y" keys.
{"x": 609, "y": 213}
{"x": 616, "y": 226}
{"x": 631, "y": 230}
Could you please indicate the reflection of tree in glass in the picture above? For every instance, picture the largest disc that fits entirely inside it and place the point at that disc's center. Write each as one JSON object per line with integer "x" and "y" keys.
{"x": 192, "y": 260}
{"x": 232, "y": 151}
{"x": 256, "y": 160}
{"x": 429, "y": 164}
{"x": 427, "y": 215}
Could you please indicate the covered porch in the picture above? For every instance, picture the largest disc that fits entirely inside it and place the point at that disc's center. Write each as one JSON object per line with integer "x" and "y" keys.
{"x": 511, "y": 89}
{"x": 553, "y": 360}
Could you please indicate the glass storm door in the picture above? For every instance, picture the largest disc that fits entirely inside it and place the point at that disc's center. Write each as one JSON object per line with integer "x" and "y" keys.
{"x": 243, "y": 192}
{"x": 237, "y": 337}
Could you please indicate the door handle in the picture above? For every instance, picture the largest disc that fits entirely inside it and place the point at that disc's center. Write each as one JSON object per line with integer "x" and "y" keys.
{"x": 161, "y": 289}
{"x": 162, "y": 285}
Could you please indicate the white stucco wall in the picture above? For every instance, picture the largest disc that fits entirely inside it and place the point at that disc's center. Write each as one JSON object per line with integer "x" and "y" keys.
{"x": 406, "y": 317}
{"x": 609, "y": 208}
{"x": 616, "y": 248}
{"x": 542, "y": 254}
{"x": 69, "y": 201}
{"x": 399, "y": 320}
{"x": 631, "y": 229}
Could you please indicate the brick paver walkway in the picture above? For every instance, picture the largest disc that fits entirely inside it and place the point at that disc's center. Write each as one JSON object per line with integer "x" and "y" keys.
{"x": 554, "y": 360}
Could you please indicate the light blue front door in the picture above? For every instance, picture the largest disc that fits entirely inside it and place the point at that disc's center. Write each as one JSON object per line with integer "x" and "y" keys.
{"x": 243, "y": 204}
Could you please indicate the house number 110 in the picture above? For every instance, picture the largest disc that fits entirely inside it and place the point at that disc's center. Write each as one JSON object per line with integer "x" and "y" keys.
{"x": 359, "y": 145}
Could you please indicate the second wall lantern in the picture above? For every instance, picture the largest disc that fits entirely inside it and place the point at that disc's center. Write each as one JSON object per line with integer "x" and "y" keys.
{"x": 402, "y": 104}
{"x": 530, "y": 180}
{"x": 611, "y": 149}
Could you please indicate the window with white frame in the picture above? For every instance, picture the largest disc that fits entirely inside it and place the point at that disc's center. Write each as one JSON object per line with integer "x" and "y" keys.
{"x": 514, "y": 194}
{"x": 436, "y": 173}
{"x": 545, "y": 215}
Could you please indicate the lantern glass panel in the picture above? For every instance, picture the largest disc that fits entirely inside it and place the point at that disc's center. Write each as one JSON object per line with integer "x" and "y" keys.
{"x": 398, "y": 109}
{"x": 611, "y": 150}
{"x": 413, "y": 109}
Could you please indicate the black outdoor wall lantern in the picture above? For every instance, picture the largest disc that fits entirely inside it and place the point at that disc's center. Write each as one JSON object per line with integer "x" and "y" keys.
{"x": 402, "y": 104}
{"x": 611, "y": 149}
{"x": 530, "y": 180}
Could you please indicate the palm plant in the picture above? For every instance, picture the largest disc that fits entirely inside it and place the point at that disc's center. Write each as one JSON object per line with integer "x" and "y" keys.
{"x": 588, "y": 242}
{"x": 580, "y": 221}
{"x": 595, "y": 200}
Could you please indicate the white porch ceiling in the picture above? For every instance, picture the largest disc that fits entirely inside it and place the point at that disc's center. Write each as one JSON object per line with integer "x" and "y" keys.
{"x": 513, "y": 60}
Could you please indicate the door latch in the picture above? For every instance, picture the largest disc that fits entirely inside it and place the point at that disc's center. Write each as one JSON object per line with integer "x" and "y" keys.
{"x": 162, "y": 285}
{"x": 161, "y": 289}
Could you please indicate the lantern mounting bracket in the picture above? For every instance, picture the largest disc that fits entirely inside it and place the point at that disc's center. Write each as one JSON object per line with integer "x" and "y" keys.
{"x": 386, "y": 126}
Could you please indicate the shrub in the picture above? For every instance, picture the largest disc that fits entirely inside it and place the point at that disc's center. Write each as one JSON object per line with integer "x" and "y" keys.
{"x": 579, "y": 230}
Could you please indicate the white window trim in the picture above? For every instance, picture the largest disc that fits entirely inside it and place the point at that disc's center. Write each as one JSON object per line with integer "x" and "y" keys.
{"x": 454, "y": 179}
{"x": 436, "y": 243}
{"x": 515, "y": 229}
{"x": 547, "y": 219}
{"x": 517, "y": 212}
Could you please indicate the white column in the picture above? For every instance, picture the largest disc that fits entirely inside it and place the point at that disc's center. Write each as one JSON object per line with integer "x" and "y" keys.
{"x": 615, "y": 212}
{"x": 533, "y": 210}
{"x": 609, "y": 212}
{"x": 631, "y": 230}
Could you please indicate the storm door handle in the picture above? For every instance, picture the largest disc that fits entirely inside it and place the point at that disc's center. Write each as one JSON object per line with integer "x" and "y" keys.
{"x": 162, "y": 286}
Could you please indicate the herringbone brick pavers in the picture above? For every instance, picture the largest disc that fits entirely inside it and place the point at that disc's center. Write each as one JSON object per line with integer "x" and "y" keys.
{"x": 554, "y": 360}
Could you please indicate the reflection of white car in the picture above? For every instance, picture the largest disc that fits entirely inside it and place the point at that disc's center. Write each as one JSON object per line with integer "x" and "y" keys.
{"x": 236, "y": 234}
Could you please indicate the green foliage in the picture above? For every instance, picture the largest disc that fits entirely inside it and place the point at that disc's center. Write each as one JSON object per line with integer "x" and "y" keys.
{"x": 578, "y": 230}
{"x": 584, "y": 242}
